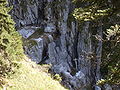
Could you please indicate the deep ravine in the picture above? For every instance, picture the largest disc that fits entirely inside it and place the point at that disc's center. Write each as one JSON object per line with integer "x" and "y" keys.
{"x": 52, "y": 36}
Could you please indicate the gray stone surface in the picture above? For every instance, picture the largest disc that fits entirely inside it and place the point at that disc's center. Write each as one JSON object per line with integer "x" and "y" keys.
{"x": 54, "y": 38}
{"x": 97, "y": 88}
{"x": 107, "y": 87}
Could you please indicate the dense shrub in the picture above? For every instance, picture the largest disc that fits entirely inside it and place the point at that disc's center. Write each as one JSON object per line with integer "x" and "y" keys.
{"x": 111, "y": 56}
{"x": 106, "y": 11}
{"x": 10, "y": 41}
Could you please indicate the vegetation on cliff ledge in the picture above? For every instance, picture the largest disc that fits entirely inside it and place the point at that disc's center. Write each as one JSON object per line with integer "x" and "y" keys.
{"x": 31, "y": 76}
{"x": 16, "y": 73}
{"x": 106, "y": 12}
{"x": 10, "y": 43}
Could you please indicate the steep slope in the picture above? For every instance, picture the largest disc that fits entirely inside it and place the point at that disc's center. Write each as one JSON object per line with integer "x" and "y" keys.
{"x": 32, "y": 77}
{"x": 51, "y": 35}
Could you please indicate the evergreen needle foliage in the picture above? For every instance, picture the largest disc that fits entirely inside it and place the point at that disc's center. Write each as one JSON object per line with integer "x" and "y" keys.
{"x": 10, "y": 42}
{"x": 108, "y": 12}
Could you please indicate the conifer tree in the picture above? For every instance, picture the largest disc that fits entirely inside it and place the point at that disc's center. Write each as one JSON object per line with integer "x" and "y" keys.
{"x": 109, "y": 12}
{"x": 10, "y": 41}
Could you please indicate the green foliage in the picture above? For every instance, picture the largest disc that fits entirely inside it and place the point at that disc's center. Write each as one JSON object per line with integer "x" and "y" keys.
{"x": 92, "y": 9}
{"x": 101, "y": 82}
{"x": 10, "y": 41}
{"x": 57, "y": 77}
{"x": 89, "y": 13}
{"x": 113, "y": 31}
{"x": 33, "y": 77}
{"x": 89, "y": 10}
{"x": 111, "y": 61}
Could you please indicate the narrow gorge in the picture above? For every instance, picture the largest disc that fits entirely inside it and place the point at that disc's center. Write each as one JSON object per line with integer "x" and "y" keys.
{"x": 51, "y": 35}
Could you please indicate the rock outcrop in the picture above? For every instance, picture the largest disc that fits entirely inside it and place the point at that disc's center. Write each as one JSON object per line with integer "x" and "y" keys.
{"x": 51, "y": 35}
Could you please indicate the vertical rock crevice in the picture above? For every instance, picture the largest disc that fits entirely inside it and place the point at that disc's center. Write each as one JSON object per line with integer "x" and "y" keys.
{"x": 51, "y": 36}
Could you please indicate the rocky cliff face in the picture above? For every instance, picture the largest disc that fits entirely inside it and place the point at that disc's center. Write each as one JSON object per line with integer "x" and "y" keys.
{"x": 51, "y": 35}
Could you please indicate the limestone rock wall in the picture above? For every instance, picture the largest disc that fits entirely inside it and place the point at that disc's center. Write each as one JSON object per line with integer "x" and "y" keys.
{"x": 51, "y": 35}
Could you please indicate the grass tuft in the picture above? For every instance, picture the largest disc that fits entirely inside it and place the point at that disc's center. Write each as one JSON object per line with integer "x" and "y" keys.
{"x": 32, "y": 77}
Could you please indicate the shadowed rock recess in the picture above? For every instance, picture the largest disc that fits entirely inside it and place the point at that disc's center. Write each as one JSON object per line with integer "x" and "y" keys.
{"x": 51, "y": 35}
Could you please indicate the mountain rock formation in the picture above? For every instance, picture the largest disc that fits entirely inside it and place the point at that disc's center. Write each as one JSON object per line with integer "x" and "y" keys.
{"x": 51, "y": 35}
